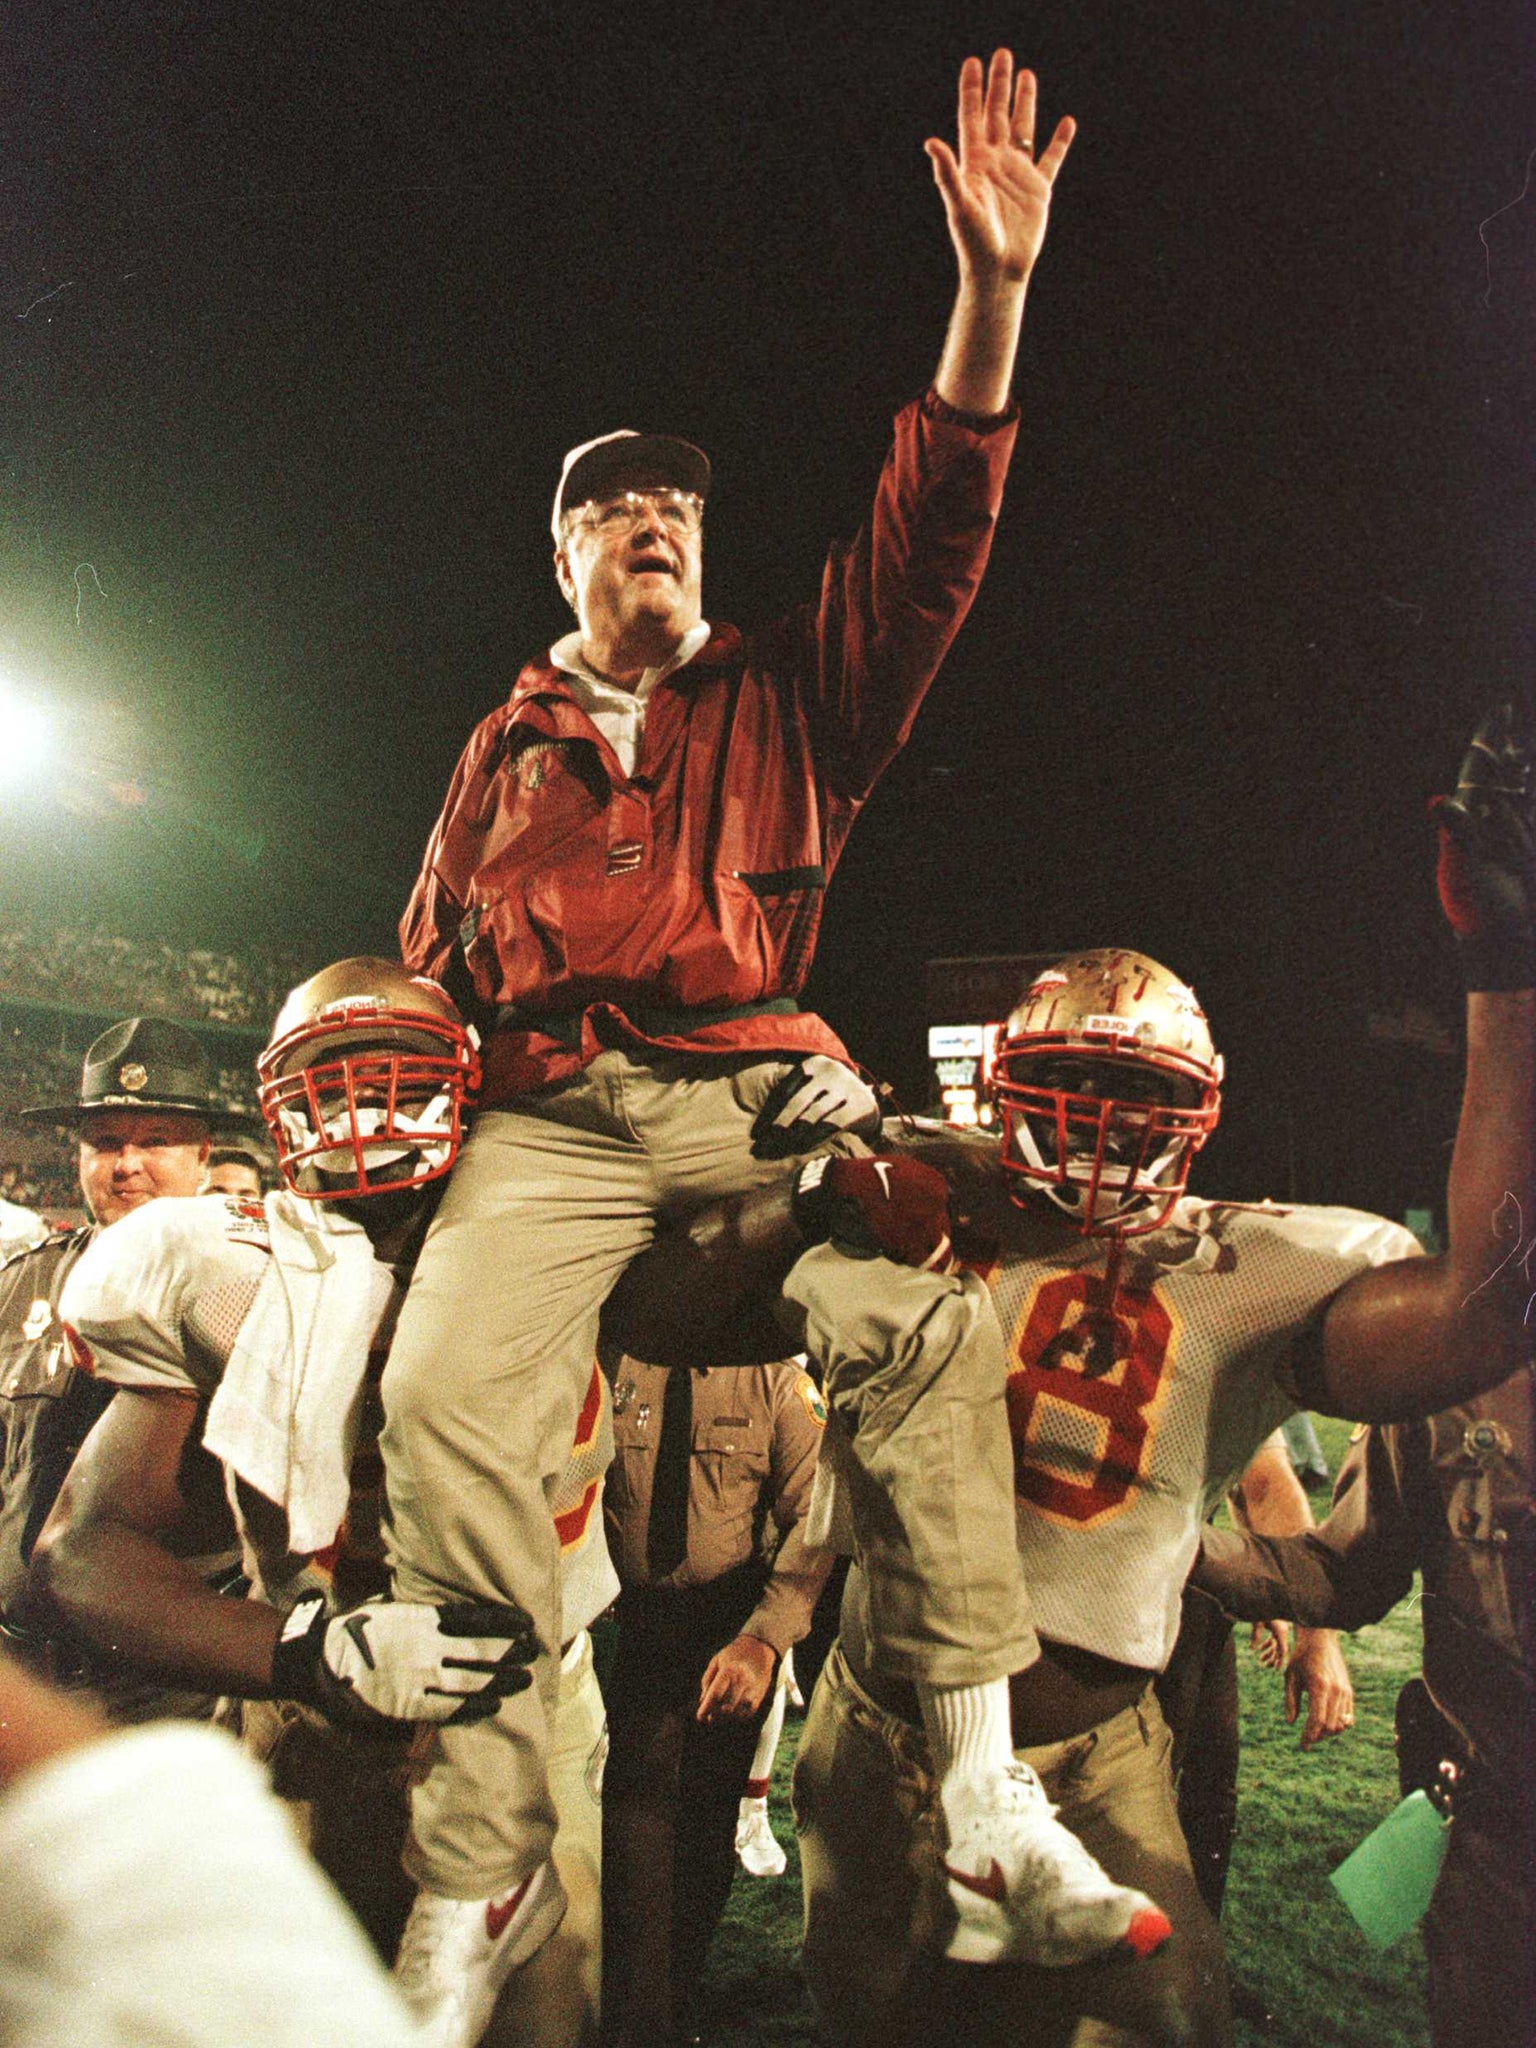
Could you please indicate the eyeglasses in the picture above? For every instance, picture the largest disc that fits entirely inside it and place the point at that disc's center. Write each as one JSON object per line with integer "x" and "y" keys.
{"x": 681, "y": 512}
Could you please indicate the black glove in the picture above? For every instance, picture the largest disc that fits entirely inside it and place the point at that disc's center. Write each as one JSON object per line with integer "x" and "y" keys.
{"x": 1487, "y": 871}
{"x": 876, "y": 1208}
{"x": 395, "y": 1662}
{"x": 817, "y": 1098}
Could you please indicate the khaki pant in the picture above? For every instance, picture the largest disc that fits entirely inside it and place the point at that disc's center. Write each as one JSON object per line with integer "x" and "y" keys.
{"x": 914, "y": 1371}
{"x": 492, "y": 1358}
{"x": 877, "y": 1912}
{"x": 348, "y": 1797}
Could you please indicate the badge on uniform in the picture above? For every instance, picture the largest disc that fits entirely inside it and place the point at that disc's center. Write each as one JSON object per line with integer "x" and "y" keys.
{"x": 39, "y": 1316}
{"x": 1484, "y": 1441}
{"x": 623, "y": 1394}
{"x": 815, "y": 1407}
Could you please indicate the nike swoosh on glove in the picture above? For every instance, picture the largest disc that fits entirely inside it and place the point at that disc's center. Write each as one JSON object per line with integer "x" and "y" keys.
{"x": 396, "y": 1662}
{"x": 894, "y": 1208}
{"x": 815, "y": 1100}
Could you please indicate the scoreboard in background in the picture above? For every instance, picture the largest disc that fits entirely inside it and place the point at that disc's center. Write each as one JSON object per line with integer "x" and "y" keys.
{"x": 968, "y": 1003}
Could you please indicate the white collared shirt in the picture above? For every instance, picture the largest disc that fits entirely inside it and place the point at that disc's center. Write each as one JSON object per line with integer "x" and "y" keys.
{"x": 619, "y": 714}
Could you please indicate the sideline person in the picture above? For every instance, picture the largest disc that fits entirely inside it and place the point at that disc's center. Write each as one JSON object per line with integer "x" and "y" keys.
{"x": 141, "y": 1121}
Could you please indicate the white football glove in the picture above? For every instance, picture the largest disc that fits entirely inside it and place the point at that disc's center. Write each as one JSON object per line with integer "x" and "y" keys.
{"x": 816, "y": 1098}
{"x": 396, "y": 1661}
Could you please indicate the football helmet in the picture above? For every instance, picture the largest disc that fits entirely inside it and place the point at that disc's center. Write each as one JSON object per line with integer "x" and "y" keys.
{"x": 365, "y": 1081}
{"x": 1107, "y": 1085}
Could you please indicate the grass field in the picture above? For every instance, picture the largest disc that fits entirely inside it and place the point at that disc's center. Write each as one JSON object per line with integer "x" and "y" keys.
{"x": 1289, "y": 1939}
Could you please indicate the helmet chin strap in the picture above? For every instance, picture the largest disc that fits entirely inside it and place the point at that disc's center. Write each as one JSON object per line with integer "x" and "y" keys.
{"x": 429, "y": 1125}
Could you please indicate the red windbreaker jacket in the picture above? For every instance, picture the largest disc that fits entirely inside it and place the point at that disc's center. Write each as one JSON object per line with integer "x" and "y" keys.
{"x": 572, "y": 891}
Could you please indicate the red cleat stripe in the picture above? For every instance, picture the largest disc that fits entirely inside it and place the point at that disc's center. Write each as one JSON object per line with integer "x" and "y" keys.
{"x": 499, "y": 1911}
{"x": 1147, "y": 1932}
{"x": 992, "y": 1886}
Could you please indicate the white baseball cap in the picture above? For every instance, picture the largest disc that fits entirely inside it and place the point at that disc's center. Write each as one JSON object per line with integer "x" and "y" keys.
{"x": 592, "y": 466}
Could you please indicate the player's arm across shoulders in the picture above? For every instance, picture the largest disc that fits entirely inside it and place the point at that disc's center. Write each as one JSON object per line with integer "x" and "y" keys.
{"x": 127, "y": 1299}
{"x": 968, "y": 1160}
{"x": 1407, "y": 1334}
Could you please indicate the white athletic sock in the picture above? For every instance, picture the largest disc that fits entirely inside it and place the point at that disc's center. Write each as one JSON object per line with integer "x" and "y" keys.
{"x": 771, "y": 1730}
{"x": 969, "y": 1729}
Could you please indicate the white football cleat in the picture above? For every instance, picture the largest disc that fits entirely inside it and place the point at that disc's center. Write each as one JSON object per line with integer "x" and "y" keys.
{"x": 456, "y": 1954}
{"x": 1024, "y": 1887}
{"x": 756, "y": 1844}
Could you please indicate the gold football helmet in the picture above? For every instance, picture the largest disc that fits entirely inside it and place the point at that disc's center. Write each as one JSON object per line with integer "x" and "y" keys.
{"x": 1107, "y": 1085}
{"x": 365, "y": 1081}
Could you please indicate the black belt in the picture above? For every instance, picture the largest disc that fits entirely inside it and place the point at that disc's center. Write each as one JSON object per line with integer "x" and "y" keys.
{"x": 651, "y": 1020}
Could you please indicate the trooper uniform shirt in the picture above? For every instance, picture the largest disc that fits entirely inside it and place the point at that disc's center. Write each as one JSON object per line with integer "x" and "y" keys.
{"x": 753, "y": 1441}
{"x": 711, "y": 1471}
{"x": 47, "y": 1408}
{"x": 1451, "y": 1496}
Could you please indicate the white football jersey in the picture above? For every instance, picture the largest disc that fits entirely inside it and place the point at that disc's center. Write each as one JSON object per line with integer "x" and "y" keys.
{"x": 1129, "y": 1425}
{"x": 162, "y": 1306}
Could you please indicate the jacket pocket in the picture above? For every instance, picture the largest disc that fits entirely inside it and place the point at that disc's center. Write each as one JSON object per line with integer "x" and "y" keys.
{"x": 788, "y": 902}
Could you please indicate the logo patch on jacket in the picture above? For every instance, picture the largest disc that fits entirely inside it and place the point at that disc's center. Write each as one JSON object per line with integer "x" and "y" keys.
{"x": 532, "y": 768}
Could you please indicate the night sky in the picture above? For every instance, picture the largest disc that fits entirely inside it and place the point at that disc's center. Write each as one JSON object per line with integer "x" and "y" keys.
{"x": 301, "y": 308}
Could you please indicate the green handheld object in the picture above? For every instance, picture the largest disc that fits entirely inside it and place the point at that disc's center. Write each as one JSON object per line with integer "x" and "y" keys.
{"x": 1387, "y": 1881}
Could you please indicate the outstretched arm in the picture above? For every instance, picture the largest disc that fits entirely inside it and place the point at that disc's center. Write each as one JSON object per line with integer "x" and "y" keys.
{"x": 997, "y": 199}
{"x": 707, "y": 1293}
{"x": 1271, "y": 1501}
{"x": 108, "y": 1560}
{"x": 1411, "y": 1338}
{"x": 107, "y": 1556}
{"x": 1350, "y": 1571}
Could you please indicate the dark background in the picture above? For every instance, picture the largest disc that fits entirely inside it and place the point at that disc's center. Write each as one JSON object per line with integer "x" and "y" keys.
{"x": 300, "y": 306}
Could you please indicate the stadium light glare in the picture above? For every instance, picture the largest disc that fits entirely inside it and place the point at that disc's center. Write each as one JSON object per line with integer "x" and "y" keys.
{"x": 26, "y": 739}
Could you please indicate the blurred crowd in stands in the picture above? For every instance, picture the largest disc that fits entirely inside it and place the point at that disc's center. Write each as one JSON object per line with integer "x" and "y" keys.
{"x": 98, "y": 971}
{"x": 60, "y": 985}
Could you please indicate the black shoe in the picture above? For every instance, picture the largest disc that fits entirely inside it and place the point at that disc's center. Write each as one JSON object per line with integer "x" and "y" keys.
{"x": 1250, "y": 2006}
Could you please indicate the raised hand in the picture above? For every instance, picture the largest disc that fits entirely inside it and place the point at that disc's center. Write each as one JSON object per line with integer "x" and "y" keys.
{"x": 996, "y": 193}
{"x": 1487, "y": 870}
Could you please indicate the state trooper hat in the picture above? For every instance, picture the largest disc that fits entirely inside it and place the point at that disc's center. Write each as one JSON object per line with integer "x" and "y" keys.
{"x": 142, "y": 1063}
